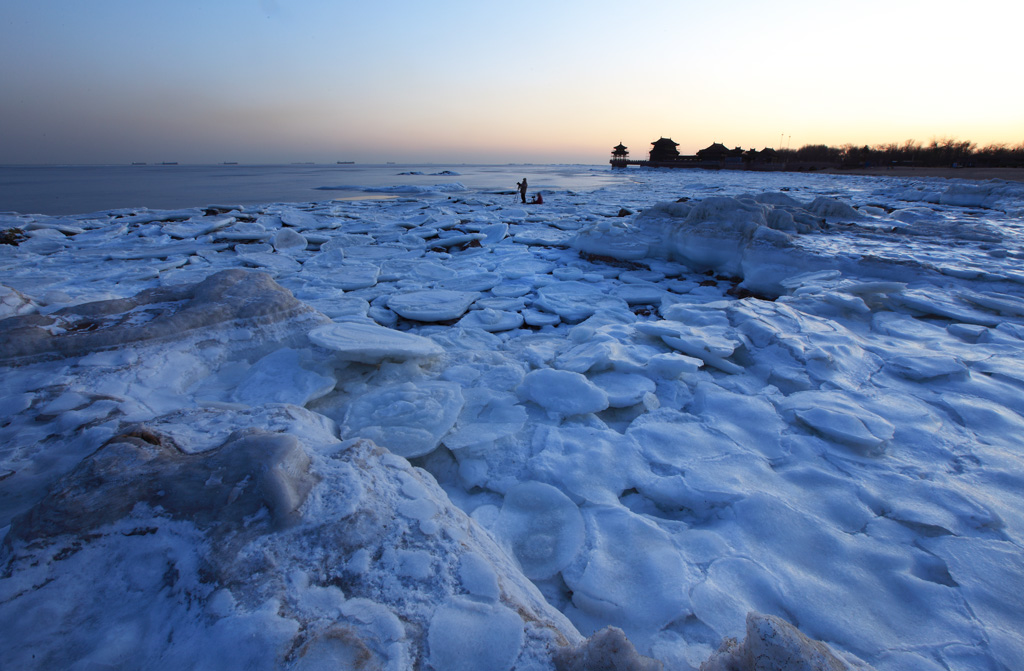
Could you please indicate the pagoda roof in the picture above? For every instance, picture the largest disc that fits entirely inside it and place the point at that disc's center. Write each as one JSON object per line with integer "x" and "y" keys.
{"x": 666, "y": 140}
{"x": 716, "y": 146}
{"x": 620, "y": 147}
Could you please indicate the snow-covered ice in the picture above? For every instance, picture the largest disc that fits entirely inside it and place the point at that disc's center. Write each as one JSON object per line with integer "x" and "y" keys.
{"x": 695, "y": 418}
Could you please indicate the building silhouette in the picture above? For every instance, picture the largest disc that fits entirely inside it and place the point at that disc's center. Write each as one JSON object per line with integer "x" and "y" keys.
{"x": 665, "y": 154}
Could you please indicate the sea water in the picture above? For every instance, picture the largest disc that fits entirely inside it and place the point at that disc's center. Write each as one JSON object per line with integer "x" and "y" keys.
{"x": 57, "y": 190}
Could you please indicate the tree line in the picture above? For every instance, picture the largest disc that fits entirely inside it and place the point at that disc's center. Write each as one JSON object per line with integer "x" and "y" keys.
{"x": 938, "y": 153}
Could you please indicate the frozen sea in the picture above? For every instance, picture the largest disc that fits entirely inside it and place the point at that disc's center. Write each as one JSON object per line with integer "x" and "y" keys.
{"x": 739, "y": 417}
{"x": 74, "y": 189}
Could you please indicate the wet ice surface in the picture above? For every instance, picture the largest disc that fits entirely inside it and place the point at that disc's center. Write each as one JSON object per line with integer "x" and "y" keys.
{"x": 797, "y": 395}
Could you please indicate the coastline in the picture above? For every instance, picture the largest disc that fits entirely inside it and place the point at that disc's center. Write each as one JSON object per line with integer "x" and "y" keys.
{"x": 979, "y": 174}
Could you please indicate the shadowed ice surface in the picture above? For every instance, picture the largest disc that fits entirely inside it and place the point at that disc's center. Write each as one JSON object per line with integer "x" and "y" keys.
{"x": 667, "y": 417}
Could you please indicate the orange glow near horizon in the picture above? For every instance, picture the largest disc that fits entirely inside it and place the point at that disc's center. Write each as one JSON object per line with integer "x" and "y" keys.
{"x": 442, "y": 83}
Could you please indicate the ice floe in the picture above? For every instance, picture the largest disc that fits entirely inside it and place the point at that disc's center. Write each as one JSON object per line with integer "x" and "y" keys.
{"x": 756, "y": 418}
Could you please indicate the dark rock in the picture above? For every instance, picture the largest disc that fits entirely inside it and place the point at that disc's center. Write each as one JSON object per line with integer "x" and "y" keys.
{"x": 216, "y": 490}
{"x": 606, "y": 650}
{"x": 154, "y": 314}
{"x": 772, "y": 644}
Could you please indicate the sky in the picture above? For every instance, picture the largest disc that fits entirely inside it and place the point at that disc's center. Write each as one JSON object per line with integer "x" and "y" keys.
{"x": 451, "y": 81}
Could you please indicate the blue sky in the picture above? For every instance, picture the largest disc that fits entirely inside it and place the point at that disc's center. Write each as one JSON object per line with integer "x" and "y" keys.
{"x": 115, "y": 81}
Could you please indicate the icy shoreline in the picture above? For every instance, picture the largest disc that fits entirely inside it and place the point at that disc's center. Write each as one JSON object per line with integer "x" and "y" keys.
{"x": 796, "y": 395}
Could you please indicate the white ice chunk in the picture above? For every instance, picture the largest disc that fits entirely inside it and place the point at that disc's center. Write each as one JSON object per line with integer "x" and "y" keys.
{"x": 324, "y": 262}
{"x": 487, "y": 417}
{"x": 492, "y": 320}
{"x": 630, "y": 575}
{"x": 941, "y": 305}
{"x": 864, "y": 288}
{"x": 833, "y": 210}
{"x": 750, "y": 420}
{"x": 513, "y": 288}
{"x": 370, "y": 343}
{"x": 699, "y": 465}
{"x": 965, "y": 194}
{"x": 45, "y": 246}
{"x": 698, "y": 341}
{"x": 289, "y": 241}
{"x": 520, "y": 267}
{"x": 182, "y": 249}
{"x": 623, "y": 389}
{"x": 603, "y": 351}
{"x": 432, "y": 305}
{"x": 1003, "y": 304}
{"x": 985, "y": 571}
{"x": 542, "y": 527}
{"x": 617, "y": 239}
{"x": 593, "y": 464}
{"x": 707, "y": 346}
{"x": 494, "y": 233}
{"x": 501, "y": 304}
{"x": 299, "y": 219}
{"x": 453, "y": 240}
{"x": 640, "y": 294}
{"x": 478, "y": 577}
{"x": 276, "y": 262}
{"x": 244, "y": 231}
{"x": 568, "y": 273}
{"x": 382, "y": 252}
{"x": 253, "y": 248}
{"x": 671, "y": 365}
{"x": 193, "y": 228}
{"x": 422, "y": 510}
{"x": 538, "y": 318}
{"x": 352, "y": 275}
{"x": 280, "y": 377}
{"x": 415, "y": 564}
{"x": 563, "y": 392}
{"x": 839, "y": 417}
{"x": 406, "y": 418}
{"x": 13, "y": 302}
{"x": 540, "y": 235}
{"x": 925, "y": 366}
{"x": 575, "y": 301}
{"x": 467, "y": 635}
{"x": 984, "y": 415}
{"x": 470, "y": 281}
{"x": 969, "y": 332}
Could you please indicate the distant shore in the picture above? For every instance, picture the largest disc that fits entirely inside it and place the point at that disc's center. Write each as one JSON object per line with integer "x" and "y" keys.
{"x": 1009, "y": 174}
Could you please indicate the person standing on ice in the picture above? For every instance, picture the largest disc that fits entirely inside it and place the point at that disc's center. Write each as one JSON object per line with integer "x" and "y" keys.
{"x": 522, "y": 189}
